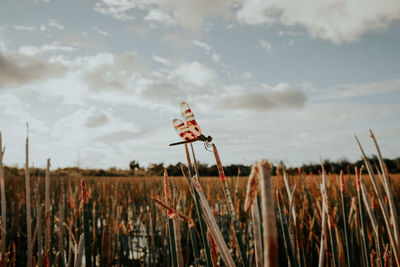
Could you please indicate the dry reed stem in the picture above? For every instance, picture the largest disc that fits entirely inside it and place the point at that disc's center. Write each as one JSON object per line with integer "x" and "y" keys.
{"x": 231, "y": 208}
{"x": 253, "y": 188}
{"x": 47, "y": 208}
{"x": 177, "y": 234}
{"x": 79, "y": 251}
{"x": 174, "y": 211}
{"x": 323, "y": 226}
{"x": 257, "y": 233}
{"x": 213, "y": 227}
{"x": 39, "y": 224}
{"x": 381, "y": 201}
{"x": 268, "y": 214}
{"x": 28, "y": 200}
{"x": 3, "y": 204}
{"x": 387, "y": 187}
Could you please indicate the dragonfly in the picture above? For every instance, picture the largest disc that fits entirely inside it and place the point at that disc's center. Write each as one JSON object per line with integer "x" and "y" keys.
{"x": 189, "y": 130}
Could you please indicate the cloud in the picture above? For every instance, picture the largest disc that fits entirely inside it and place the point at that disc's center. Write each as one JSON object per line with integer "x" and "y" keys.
{"x": 334, "y": 20}
{"x": 36, "y": 51}
{"x": 96, "y": 120}
{"x": 268, "y": 98}
{"x": 104, "y": 33}
{"x": 19, "y": 69}
{"x": 345, "y": 91}
{"x": 110, "y": 72}
{"x": 202, "y": 45}
{"x": 267, "y": 46}
{"x": 24, "y": 28}
{"x": 55, "y": 24}
{"x": 162, "y": 60}
{"x": 118, "y": 9}
{"x": 187, "y": 14}
{"x": 193, "y": 73}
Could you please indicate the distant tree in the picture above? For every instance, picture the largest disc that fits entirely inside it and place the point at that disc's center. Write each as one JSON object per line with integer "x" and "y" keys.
{"x": 156, "y": 169}
{"x": 133, "y": 165}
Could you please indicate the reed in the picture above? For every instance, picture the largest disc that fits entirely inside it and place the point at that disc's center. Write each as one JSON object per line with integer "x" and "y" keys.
{"x": 47, "y": 209}
{"x": 345, "y": 222}
{"x": 28, "y": 201}
{"x": 3, "y": 206}
{"x": 268, "y": 214}
{"x": 238, "y": 231}
{"x": 88, "y": 256}
{"x": 199, "y": 209}
{"x": 385, "y": 213}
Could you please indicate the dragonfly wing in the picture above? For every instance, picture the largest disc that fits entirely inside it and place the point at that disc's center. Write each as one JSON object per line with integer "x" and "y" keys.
{"x": 183, "y": 130}
{"x": 188, "y": 117}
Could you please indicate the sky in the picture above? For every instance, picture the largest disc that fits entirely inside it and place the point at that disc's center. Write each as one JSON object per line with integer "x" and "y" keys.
{"x": 99, "y": 82}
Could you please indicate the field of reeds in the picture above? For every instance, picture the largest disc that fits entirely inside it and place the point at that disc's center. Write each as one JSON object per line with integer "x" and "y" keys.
{"x": 291, "y": 219}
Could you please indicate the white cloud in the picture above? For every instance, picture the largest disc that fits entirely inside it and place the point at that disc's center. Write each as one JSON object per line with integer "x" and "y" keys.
{"x": 109, "y": 72}
{"x": 203, "y": 45}
{"x": 24, "y": 28}
{"x": 187, "y": 14}
{"x": 193, "y": 73}
{"x": 55, "y": 24}
{"x": 334, "y": 20}
{"x": 267, "y": 46}
{"x": 159, "y": 16}
{"x": 357, "y": 90}
{"x": 162, "y": 60}
{"x": 104, "y": 33}
{"x": 19, "y": 69}
{"x": 266, "y": 98}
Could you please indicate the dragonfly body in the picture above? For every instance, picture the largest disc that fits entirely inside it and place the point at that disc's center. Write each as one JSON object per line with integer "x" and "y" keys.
{"x": 189, "y": 130}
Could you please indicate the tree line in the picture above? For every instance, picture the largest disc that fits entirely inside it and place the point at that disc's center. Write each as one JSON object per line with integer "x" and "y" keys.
{"x": 157, "y": 169}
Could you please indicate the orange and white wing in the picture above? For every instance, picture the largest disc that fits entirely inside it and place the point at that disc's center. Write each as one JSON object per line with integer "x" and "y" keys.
{"x": 183, "y": 130}
{"x": 188, "y": 117}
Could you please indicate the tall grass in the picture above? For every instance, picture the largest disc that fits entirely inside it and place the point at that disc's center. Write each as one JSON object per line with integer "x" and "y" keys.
{"x": 292, "y": 219}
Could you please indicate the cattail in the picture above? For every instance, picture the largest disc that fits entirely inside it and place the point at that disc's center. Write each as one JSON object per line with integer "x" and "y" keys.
{"x": 3, "y": 205}
{"x": 345, "y": 223}
{"x": 252, "y": 188}
{"x": 47, "y": 209}
{"x": 213, "y": 227}
{"x": 28, "y": 200}
{"x": 231, "y": 208}
{"x": 385, "y": 213}
{"x": 87, "y": 242}
{"x": 199, "y": 209}
{"x": 38, "y": 224}
{"x": 389, "y": 194}
{"x": 268, "y": 215}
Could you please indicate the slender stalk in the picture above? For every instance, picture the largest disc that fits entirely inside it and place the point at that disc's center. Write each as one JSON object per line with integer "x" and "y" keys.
{"x": 213, "y": 227}
{"x": 47, "y": 209}
{"x": 323, "y": 223}
{"x": 268, "y": 215}
{"x": 238, "y": 231}
{"x": 79, "y": 254}
{"x": 332, "y": 234}
{"x": 3, "y": 205}
{"x": 203, "y": 226}
{"x": 363, "y": 230}
{"x": 285, "y": 232}
{"x": 28, "y": 201}
{"x": 170, "y": 214}
{"x": 86, "y": 231}
{"x": 345, "y": 223}
{"x": 257, "y": 233}
{"x": 372, "y": 217}
{"x": 387, "y": 187}
{"x": 39, "y": 224}
{"x": 385, "y": 213}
